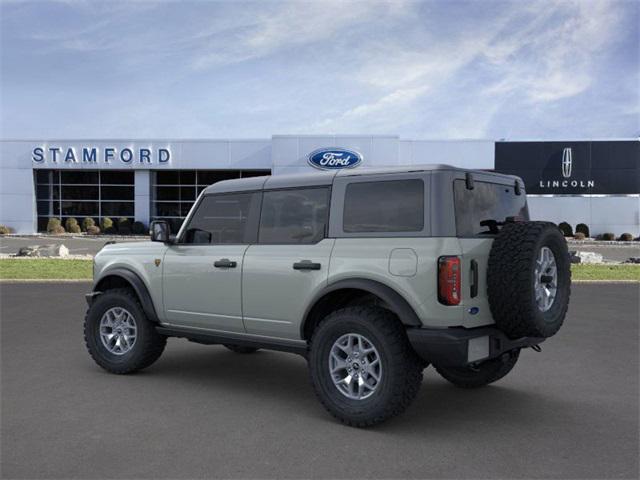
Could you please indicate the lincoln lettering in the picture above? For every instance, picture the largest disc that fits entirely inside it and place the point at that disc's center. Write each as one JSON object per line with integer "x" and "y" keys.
{"x": 567, "y": 183}
{"x": 108, "y": 155}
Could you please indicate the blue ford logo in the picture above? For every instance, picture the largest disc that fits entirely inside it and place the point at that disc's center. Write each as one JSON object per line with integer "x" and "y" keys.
{"x": 334, "y": 158}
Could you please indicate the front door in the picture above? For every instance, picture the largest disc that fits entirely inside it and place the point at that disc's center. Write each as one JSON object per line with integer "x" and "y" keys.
{"x": 202, "y": 281}
{"x": 290, "y": 262}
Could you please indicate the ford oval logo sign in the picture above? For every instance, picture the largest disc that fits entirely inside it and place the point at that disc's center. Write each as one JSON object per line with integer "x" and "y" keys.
{"x": 334, "y": 158}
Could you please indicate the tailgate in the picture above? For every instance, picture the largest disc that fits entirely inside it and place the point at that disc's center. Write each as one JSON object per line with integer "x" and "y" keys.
{"x": 475, "y": 257}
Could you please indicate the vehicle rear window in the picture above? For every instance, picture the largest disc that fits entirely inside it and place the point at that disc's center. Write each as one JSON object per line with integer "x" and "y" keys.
{"x": 294, "y": 216}
{"x": 487, "y": 201}
{"x": 384, "y": 206}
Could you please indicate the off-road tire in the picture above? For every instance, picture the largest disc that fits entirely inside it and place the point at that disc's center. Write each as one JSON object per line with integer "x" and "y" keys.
{"x": 402, "y": 370}
{"x": 483, "y": 374}
{"x": 510, "y": 279}
{"x": 148, "y": 346}
{"x": 241, "y": 348}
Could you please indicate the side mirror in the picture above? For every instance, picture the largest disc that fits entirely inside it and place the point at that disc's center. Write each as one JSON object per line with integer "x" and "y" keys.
{"x": 160, "y": 231}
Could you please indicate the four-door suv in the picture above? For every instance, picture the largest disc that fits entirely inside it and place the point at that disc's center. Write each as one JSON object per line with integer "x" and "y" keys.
{"x": 371, "y": 275}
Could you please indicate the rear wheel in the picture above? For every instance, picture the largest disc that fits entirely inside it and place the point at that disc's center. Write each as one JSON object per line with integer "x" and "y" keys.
{"x": 483, "y": 374}
{"x": 362, "y": 367}
{"x": 240, "y": 348}
{"x": 118, "y": 335}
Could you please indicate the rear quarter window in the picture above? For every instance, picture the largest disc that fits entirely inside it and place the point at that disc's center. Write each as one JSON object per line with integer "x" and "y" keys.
{"x": 487, "y": 201}
{"x": 384, "y": 206}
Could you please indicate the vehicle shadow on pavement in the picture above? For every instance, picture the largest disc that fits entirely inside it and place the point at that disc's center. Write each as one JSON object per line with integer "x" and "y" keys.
{"x": 283, "y": 379}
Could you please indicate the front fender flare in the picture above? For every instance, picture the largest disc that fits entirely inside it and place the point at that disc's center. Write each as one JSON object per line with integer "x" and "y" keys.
{"x": 134, "y": 280}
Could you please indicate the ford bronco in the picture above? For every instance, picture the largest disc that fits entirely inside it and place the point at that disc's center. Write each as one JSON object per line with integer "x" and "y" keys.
{"x": 371, "y": 275}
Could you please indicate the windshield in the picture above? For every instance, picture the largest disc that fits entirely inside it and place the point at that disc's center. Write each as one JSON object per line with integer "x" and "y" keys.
{"x": 487, "y": 201}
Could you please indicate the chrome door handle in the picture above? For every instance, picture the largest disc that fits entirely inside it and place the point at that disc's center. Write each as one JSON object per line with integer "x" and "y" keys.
{"x": 225, "y": 263}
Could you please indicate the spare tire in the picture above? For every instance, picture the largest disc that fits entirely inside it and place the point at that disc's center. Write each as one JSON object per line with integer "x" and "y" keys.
{"x": 529, "y": 279}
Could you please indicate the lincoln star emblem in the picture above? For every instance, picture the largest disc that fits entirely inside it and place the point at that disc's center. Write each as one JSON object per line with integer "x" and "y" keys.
{"x": 567, "y": 160}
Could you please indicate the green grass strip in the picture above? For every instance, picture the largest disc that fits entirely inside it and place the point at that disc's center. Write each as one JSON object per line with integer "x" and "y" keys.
{"x": 13, "y": 269}
{"x": 605, "y": 272}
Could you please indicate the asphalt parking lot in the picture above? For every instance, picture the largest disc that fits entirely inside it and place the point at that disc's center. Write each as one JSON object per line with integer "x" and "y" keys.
{"x": 568, "y": 412}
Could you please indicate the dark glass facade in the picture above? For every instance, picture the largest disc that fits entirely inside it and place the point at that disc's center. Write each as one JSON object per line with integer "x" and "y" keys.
{"x": 173, "y": 192}
{"x": 80, "y": 194}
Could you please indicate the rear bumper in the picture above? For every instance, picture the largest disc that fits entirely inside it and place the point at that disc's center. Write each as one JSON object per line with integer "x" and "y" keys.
{"x": 457, "y": 347}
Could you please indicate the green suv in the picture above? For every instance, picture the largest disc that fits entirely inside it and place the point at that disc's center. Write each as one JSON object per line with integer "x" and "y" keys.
{"x": 372, "y": 275}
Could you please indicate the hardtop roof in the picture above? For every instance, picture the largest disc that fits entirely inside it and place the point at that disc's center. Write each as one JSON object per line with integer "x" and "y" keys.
{"x": 321, "y": 178}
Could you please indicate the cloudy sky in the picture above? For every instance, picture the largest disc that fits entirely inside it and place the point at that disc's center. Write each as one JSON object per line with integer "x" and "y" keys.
{"x": 423, "y": 70}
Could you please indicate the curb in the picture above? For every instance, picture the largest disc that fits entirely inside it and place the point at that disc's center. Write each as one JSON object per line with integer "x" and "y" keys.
{"x": 45, "y": 280}
{"x": 605, "y": 281}
{"x": 88, "y": 280}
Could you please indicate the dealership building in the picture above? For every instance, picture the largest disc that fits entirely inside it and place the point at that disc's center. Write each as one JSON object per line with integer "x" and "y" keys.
{"x": 596, "y": 182}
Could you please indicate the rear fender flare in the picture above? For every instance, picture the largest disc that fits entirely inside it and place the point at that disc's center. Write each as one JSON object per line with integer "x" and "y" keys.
{"x": 392, "y": 298}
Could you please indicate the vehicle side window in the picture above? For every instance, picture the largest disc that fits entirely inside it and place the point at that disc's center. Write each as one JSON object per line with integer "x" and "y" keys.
{"x": 294, "y": 216}
{"x": 384, "y": 206}
{"x": 223, "y": 219}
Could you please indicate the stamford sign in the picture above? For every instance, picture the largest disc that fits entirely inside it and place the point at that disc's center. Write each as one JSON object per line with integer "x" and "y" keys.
{"x": 334, "y": 158}
{"x": 95, "y": 155}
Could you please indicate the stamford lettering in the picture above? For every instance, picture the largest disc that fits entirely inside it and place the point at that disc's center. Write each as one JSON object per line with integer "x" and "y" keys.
{"x": 107, "y": 155}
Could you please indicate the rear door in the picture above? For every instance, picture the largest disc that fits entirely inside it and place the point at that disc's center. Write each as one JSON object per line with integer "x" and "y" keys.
{"x": 202, "y": 283}
{"x": 290, "y": 262}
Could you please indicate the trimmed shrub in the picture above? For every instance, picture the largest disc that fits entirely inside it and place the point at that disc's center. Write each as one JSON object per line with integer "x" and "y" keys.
{"x": 124, "y": 226}
{"x": 139, "y": 228}
{"x": 107, "y": 225}
{"x": 607, "y": 236}
{"x": 93, "y": 230}
{"x": 88, "y": 222}
{"x": 57, "y": 230}
{"x": 579, "y": 236}
{"x": 52, "y": 224}
{"x": 71, "y": 225}
{"x": 583, "y": 228}
{"x": 626, "y": 237}
{"x": 566, "y": 229}
{"x": 5, "y": 230}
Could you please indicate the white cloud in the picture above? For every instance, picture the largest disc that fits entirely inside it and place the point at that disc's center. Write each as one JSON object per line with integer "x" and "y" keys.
{"x": 285, "y": 25}
{"x": 552, "y": 58}
{"x": 395, "y": 101}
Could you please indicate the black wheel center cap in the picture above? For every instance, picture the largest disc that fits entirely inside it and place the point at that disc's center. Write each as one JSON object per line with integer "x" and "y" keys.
{"x": 356, "y": 366}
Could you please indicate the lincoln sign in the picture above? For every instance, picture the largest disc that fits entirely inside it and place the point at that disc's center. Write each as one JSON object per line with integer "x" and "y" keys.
{"x": 575, "y": 168}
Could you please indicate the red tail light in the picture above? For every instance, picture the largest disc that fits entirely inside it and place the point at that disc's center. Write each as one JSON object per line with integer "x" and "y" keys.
{"x": 449, "y": 280}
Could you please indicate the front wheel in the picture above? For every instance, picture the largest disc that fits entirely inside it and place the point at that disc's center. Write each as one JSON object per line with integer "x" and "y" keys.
{"x": 362, "y": 366}
{"x": 483, "y": 374}
{"x": 118, "y": 335}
